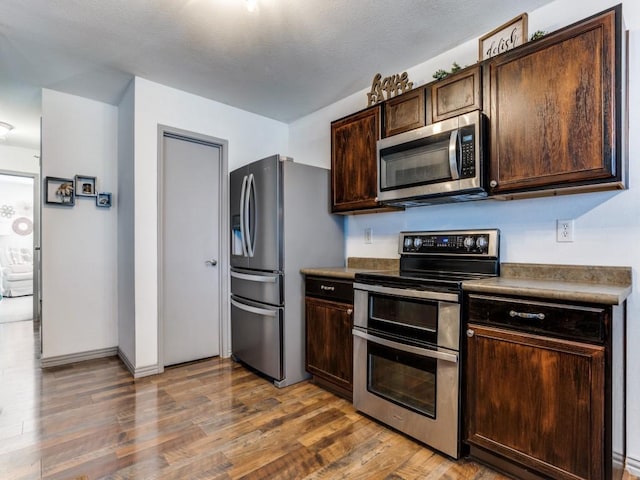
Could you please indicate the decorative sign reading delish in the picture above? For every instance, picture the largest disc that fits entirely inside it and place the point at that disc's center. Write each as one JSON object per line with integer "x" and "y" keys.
{"x": 393, "y": 85}
{"x": 503, "y": 38}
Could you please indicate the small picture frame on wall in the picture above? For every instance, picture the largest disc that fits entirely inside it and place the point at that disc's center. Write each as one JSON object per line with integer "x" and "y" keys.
{"x": 59, "y": 191}
{"x": 504, "y": 38}
{"x": 103, "y": 199}
{"x": 85, "y": 186}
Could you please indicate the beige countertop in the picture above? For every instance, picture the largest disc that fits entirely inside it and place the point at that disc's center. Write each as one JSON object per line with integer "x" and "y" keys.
{"x": 334, "y": 272}
{"x": 576, "y": 283}
{"x": 591, "y": 284}
{"x": 354, "y": 265}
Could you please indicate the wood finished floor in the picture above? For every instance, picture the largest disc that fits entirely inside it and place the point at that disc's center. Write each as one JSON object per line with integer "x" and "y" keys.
{"x": 207, "y": 420}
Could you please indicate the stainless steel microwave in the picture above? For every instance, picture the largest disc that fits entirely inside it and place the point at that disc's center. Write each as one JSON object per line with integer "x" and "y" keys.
{"x": 439, "y": 163}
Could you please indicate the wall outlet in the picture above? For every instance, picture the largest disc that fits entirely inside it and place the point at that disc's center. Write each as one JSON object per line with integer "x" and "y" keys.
{"x": 368, "y": 235}
{"x": 564, "y": 231}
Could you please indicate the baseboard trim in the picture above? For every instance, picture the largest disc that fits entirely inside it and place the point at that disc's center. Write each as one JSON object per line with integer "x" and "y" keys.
{"x": 124, "y": 359}
{"x": 147, "y": 371}
{"x": 56, "y": 361}
{"x": 138, "y": 372}
{"x": 633, "y": 466}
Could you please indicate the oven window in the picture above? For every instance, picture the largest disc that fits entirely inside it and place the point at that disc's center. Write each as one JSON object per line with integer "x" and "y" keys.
{"x": 416, "y": 319}
{"x": 403, "y": 378}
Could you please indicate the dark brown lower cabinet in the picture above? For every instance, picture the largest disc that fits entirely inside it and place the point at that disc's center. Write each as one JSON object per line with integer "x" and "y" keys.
{"x": 539, "y": 405}
{"x": 329, "y": 345}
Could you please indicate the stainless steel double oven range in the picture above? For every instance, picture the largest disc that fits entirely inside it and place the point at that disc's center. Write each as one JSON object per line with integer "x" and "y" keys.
{"x": 406, "y": 333}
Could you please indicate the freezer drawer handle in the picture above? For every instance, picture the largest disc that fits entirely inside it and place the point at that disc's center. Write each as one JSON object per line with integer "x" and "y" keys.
{"x": 254, "y": 278}
{"x": 258, "y": 311}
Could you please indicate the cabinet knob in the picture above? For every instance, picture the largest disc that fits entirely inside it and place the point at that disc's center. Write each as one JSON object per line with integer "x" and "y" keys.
{"x": 493, "y": 184}
{"x": 470, "y": 333}
{"x": 349, "y": 311}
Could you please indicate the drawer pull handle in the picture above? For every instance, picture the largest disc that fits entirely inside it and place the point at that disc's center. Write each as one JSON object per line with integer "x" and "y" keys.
{"x": 325, "y": 287}
{"x": 533, "y": 316}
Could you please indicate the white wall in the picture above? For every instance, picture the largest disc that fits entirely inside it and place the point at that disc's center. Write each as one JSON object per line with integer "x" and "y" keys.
{"x": 607, "y": 225}
{"x": 19, "y": 159}
{"x": 250, "y": 137}
{"x": 126, "y": 228}
{"x": 79, "y": 136}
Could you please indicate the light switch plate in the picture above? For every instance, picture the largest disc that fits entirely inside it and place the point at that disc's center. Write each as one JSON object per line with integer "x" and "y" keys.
{"x": 368, "y": 235}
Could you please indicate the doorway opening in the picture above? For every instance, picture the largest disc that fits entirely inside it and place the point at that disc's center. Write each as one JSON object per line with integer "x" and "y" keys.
{"x": 19, "y": 250}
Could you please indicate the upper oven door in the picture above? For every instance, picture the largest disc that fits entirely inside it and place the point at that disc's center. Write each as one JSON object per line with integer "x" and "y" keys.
{"x": 439, "y": 159}
{"x": 427, "y": 317}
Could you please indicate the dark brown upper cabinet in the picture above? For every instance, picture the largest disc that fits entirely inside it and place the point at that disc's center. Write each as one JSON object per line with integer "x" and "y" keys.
{"x": 354, "y": 171}
{"x": 455, "y": 95}
{"x": 404, "y": 112}
{"x": 556, "y": 111}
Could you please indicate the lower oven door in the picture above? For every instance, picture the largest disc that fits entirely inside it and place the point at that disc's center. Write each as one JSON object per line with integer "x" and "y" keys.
{"x": 412, "y": 389}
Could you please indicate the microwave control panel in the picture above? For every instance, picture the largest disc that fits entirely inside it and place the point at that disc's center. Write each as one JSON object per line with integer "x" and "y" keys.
{"x": 467, "y": 152}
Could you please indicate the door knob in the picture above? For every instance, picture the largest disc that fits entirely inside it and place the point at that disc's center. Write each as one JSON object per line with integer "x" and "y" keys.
{"x": 211, "y": 263}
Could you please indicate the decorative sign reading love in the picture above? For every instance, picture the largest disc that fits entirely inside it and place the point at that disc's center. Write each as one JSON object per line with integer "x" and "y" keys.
{"x": 393, "y": 85}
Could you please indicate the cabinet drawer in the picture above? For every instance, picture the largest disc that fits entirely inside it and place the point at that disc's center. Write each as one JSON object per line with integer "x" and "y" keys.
{"x": 573, "y": 322}
{"x": 330, "y": 289}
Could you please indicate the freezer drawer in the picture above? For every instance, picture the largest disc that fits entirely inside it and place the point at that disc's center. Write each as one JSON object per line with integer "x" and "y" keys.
{"x": 256, "y": 336}
{"x": 260, "y": 287}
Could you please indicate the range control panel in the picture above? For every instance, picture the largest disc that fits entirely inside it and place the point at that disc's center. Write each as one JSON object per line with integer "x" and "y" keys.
{"x": 482, "y": 243}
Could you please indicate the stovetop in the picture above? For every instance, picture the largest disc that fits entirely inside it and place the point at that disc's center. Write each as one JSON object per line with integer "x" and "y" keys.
{"x": 442, "y": 281}
{"x": 440, "y": 260}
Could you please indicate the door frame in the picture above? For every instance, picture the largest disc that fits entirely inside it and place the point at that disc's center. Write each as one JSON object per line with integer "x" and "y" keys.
{"x": 223, "y": 237}
{"x": 37, "y": 264}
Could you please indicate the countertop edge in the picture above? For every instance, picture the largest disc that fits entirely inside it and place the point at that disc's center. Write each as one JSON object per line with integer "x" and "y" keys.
{"x": 565, "y": 291}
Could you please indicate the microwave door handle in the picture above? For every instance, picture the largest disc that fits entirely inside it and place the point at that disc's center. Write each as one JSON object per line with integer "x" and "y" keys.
{"x": 453, "y": 155}
{"x": 243, "y": 232}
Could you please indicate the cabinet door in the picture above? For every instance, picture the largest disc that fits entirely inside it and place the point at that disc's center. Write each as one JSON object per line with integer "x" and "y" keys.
{"x": 329, "y": 343}
{"x": 457, "y": 94}
{"x": 553, "y": 109}
{"x": 404, "y": 112}
{"x": 354, "y": 171}
{"x": 537, "y": 401}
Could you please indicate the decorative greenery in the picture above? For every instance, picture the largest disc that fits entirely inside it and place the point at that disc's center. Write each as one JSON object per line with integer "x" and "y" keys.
{"x": 440, "y": 74}
{"x": 537, "y": 34}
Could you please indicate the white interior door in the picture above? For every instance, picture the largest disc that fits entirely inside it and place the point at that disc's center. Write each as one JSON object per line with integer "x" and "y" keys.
{"x": 190, "y": 250}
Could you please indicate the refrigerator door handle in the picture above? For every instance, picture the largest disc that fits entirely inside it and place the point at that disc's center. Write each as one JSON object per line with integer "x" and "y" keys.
{"x": 255, "y": 278}
{"x": 243, "y": 232}
{"x": 251, "y": 234}
{"x": 258, "y": 311}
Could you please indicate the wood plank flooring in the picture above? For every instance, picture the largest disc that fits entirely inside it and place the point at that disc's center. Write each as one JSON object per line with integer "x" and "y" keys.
{"x": 206, "y": 420}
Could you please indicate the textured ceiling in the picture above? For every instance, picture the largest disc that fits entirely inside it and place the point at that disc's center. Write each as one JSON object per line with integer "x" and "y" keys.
{"x": 285, "y": 60}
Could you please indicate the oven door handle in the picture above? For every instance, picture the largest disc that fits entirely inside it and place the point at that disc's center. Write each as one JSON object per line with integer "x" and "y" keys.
{"x": 425, "y": 352}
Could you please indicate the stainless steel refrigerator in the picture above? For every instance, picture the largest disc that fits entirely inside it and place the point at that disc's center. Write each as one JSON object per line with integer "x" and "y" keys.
{"x": 280, "y": 223}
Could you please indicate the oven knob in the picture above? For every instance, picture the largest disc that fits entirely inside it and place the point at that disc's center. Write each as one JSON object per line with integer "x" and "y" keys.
{"x": 408, "y": 241}
{"x": 469, "y": 242}
{"x": 417, "y": 242}
{"x": 482, "y": 243}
